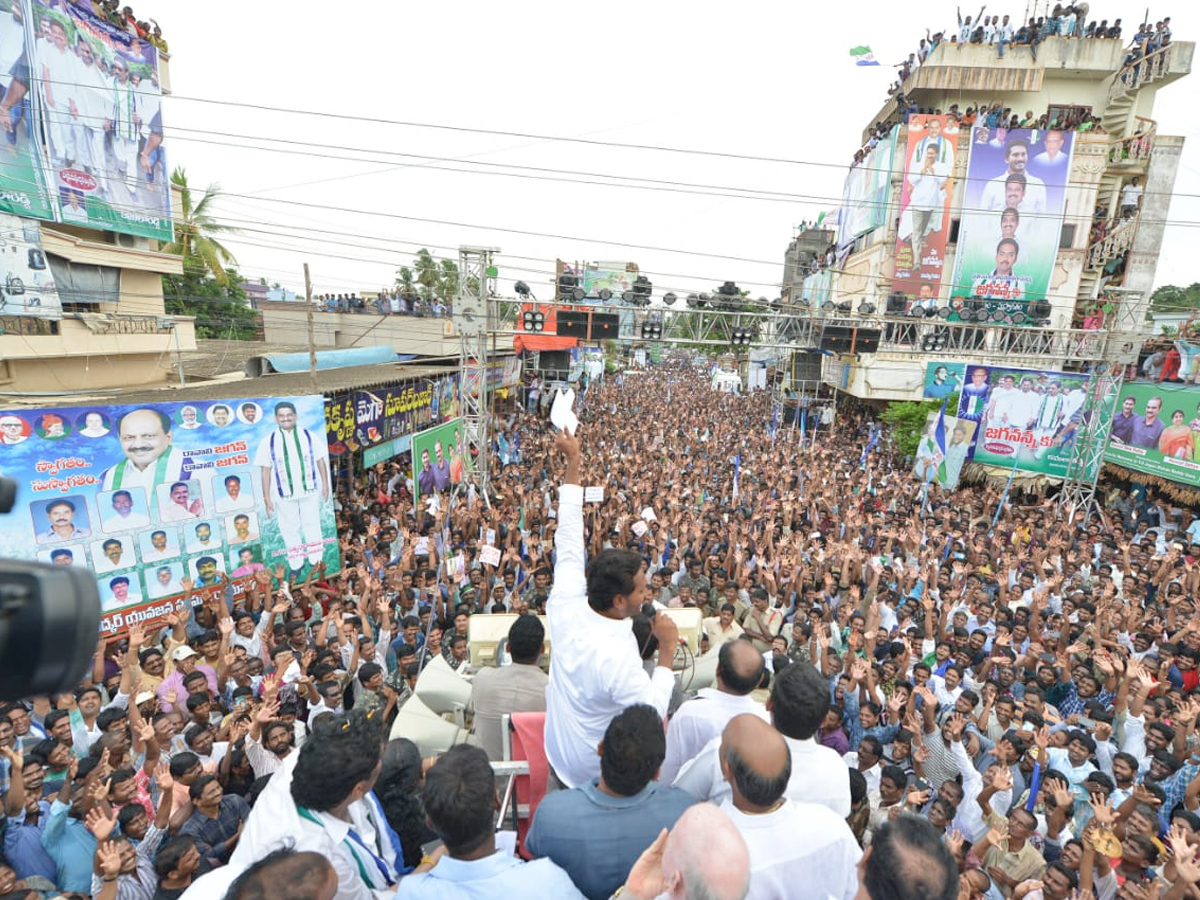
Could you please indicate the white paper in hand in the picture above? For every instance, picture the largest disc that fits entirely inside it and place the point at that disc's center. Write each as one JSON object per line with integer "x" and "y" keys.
{"x": 639, "y": 528}
{"x": 562, "y": 415}
{"x": 648, "y": 515}
{"x": 489, "y": 556}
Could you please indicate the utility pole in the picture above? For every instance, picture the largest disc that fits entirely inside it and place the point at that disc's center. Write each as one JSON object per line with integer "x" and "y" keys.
{"x": 312, "y": 347}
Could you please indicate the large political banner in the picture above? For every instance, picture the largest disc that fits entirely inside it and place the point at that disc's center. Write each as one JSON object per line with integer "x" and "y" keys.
{"x": 439, "y": 459}
{"x": 23, "y": 188}
{"x": 160, "y": 499}
{"x": 1025, "y": 418}
{"x": 98, "y": 97}
{"x": 361, "y": 419}
{"x": 925, "y": 205}
{"x": 865, "y": 193}
{"x": 1155, "y": 431}
{"x": 1012, "y": 212}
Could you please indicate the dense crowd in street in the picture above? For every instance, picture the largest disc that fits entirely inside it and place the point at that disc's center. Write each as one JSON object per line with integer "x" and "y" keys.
{"x": 953, "y": 695}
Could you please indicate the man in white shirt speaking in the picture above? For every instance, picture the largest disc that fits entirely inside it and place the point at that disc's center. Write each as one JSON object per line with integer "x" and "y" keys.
{"x": 597, "y": 670}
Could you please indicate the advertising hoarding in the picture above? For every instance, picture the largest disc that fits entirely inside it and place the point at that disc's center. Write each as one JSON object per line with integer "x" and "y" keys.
{"x": 98, "y": 98}
{"x": 26, "y": 282}
{"x": 1012, "y": 213}
{"x": 1155, "y": 430}
{"x": 925, "y": 205}
{"x": 22, "y": 172}
{"x": 865, "y": 193}
{"x": 153, "y": 497}
{"x": 1024, "y": 417}
{"x": 439, "y": 459}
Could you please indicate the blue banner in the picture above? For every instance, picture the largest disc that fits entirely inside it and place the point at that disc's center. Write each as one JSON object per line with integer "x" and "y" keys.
{"x": 158, "y": 499}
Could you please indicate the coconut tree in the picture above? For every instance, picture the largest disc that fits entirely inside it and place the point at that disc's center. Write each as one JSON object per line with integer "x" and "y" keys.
{"x": 427, "y": 272}
{"x": 197, "y": 231}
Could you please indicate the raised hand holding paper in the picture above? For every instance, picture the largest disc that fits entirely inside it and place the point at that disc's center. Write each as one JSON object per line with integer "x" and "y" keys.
{"x": 562, "y": 414}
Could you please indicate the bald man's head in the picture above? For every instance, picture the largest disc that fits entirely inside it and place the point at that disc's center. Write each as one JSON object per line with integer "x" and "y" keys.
{"x": 692, "y": 871}
{"x": 739, "y": 667}
{"x": 756, "y": 762}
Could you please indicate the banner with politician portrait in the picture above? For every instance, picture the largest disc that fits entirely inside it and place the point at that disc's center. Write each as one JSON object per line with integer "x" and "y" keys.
{"x": 439, "y": 459}
{"x": 865, "y": 193}
{"x": 1156, "y": 430}
{"x": 96, "y": 91}
{"x": 1012, "y": 213}
{"x": 925, "y": 194}
{"x": 161, "y": 498}
{"x": 23, "y": 188}
{"x": 1025, "y": 418}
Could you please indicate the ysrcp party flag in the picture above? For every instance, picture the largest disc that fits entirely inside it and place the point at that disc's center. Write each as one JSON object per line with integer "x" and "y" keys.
{"x": 863, "y": 56}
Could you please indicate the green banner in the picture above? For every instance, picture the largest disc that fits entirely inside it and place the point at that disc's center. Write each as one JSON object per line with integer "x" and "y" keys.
{"x": 439, "y": 459}
{"x": 1025, "y": 418}
{"x": 1155, "y": 431}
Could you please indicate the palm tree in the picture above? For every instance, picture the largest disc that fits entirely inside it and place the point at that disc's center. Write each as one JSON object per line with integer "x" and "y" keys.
{"x": 196, "y": 231}
{"x": 404, "y": 280}
{"x": 448, "y": 283}
{"x": 427, "y": 273}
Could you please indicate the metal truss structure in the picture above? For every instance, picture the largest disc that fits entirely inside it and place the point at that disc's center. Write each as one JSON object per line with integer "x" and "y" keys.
{"x": 474, "y": 323}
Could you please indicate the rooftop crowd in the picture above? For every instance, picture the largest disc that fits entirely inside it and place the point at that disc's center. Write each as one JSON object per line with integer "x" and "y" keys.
{"x": 942, "y": 697}
{"x": 387, "y": 302}
{"x": 123, "y": 17}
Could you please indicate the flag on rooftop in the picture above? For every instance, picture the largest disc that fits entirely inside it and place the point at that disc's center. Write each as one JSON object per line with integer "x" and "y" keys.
{"x": 863, "y": 56}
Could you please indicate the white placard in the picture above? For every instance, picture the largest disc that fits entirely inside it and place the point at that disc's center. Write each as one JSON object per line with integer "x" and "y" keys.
{"x": 594, "y": 494}
{"x": 648, "y": 515}
{"x": 639, "y": 528}
{"x": 489, "y": 556}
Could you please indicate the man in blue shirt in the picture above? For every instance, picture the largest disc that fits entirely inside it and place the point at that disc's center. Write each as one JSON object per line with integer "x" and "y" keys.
{"x": 459, "y": 797}
{"x": 67, "y": 839}
{"x": 597, "y": 831}
{"x": 26, "y": 817}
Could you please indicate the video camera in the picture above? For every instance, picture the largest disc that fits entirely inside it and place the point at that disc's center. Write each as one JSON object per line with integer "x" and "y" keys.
{"x": 49, "y": 622}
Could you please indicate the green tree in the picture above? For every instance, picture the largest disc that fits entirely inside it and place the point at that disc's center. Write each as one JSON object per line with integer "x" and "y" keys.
{"x": 428, "y": 274}
{"x": 447, "y": 288}
{"x": 1172, "y": 299}
{"x": 404, "y": 280}
{"x": 197, "y": 231}
{"x": 906, "y": 420}
{"x": 219, "y": 307}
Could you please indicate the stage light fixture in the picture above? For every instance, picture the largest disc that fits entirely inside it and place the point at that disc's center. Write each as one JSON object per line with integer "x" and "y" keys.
{"x": 522, "y": 289}
{"x": 669, "y": 299}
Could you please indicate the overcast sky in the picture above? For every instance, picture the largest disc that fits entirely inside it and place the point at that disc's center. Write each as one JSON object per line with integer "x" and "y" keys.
{"x": 352, "y": 197}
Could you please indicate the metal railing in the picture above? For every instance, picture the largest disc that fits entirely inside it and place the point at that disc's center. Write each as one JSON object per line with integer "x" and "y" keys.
{"x": 1136, "y": 148}
{"x": 1113, "y": 244}
{"x": 1141, "y": 71}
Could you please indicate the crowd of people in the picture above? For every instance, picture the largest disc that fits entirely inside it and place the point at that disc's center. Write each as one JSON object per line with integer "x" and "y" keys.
{"x": 387, "y": 302}
{"x": 123, "y": 17}
{"x": 917, "y": 693}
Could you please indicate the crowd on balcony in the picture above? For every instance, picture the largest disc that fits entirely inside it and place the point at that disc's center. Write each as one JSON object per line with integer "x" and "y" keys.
{"x": 388, "y": 302}
{"x": 123, "y": 17}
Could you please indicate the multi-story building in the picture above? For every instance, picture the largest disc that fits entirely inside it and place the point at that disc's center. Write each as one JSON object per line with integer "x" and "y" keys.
{"x": 114, "y": 331}
{"x": 1098, "y": 248}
